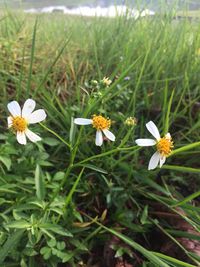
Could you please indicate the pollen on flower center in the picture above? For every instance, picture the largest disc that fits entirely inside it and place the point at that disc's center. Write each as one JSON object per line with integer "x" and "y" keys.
{"x": 100, "y": 123}
{"x": 19, "y": 124}
{"x": 165, "y": 146}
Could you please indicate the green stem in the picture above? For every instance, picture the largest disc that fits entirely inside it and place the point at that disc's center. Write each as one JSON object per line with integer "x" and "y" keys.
{"x": 69, "y": 196}
{"x": 55, "y": 134}
{"x": 181, "y": 168}
{"x": 118, "y": 149}
{"x": 185, "y": 148}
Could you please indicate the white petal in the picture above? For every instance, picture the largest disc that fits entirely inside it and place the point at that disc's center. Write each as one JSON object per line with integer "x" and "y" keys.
{"x": 99, "y": 138}
{"x": 152, "y": 128}
{"x": 32, "y": 136}
{"x": 145, "y": 142}
{"x": 82, "y": 121}
{"x": 162, "y": 160}
{"x": 21, "y": 138}
{"x": 14, "y": 108}
{"x": 37, "y": 116}
{"x": 28, "y": 108}
{"x": 9, "y": 120}
{"x": 153, "y": 163}
{"x": 168, "y": 136}
{"x": 109, "y": 135}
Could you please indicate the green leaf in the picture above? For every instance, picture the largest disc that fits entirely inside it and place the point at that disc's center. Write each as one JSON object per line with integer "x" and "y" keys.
{"x": 51, "y": 243}
{"x": 144, "y": 216}
{"x": 154, "y": 185}
{"x": 10, "y": 244}
{"x": 119, "y": 253}
{"x": 61, "y": 245}
{"x": 30, "y": 252}
{"x": 6, "y": 161}
{"x": 21, "y": 224}
{"x": 6, "y": 189}
{"x": 50, "y": 141}
{"x": 183, "y": 234}
{"x": 187, "y": 199}
{"x": 148, "y": 254}
{"x": 55, "y": 229}
{"x": 173, "y": 260}
{"x": 39, "y": 183}
{"x": 95, "y": 168}
{"x": 67, "y": 257}
{"x": 79, "y": 245}
{"x": 46, "y": 252}
{"x": 48, "y": 233}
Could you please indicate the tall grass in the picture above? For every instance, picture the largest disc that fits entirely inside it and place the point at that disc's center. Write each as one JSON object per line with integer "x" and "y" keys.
{"x": 63, "y": 198}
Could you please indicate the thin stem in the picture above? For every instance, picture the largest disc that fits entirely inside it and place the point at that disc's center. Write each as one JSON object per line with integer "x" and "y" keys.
{"x": 185, "y": 148}
{"x": 69, "y": 196}
{"x": 55, "y": 134}
{"x": 118, "y": 149}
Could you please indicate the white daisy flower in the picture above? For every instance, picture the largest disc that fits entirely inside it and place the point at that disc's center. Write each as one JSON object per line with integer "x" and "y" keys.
{"x": 101, "y": 124}
{"x": 164, "y": 145}
{"x": 20, "y": 119}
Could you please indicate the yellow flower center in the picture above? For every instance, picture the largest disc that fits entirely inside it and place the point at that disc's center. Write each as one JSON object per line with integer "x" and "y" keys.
{"x": 19, "y": 124}
{"x": 165, "y": 146}
{"x": 100, "y": 123}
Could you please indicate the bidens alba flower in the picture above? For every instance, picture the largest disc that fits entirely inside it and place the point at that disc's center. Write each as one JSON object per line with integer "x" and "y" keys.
{"x": 164, "y": 145}
{"x": 20, "y": 119}
{"x": 101, "y": 124}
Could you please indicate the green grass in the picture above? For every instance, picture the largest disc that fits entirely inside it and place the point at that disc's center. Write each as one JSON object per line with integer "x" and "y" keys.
{"x": 63, "y": 199}
{"x": 190, "y": 13}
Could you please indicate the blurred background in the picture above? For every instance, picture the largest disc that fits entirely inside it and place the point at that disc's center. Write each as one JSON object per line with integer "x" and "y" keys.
{"x": 153, "y": 4}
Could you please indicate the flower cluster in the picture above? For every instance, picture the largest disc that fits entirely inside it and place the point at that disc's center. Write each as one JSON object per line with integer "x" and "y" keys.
{"x": 20, "y": 119}
{"x": 130, "y": 121}
{"x": 106, "y": 81}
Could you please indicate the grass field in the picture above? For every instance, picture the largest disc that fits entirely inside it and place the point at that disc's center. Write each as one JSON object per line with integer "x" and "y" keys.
{"x": 67, "y": 202}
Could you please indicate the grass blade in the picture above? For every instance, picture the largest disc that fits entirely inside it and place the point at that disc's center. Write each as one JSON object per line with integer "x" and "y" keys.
{"x": 32, "y": 58}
